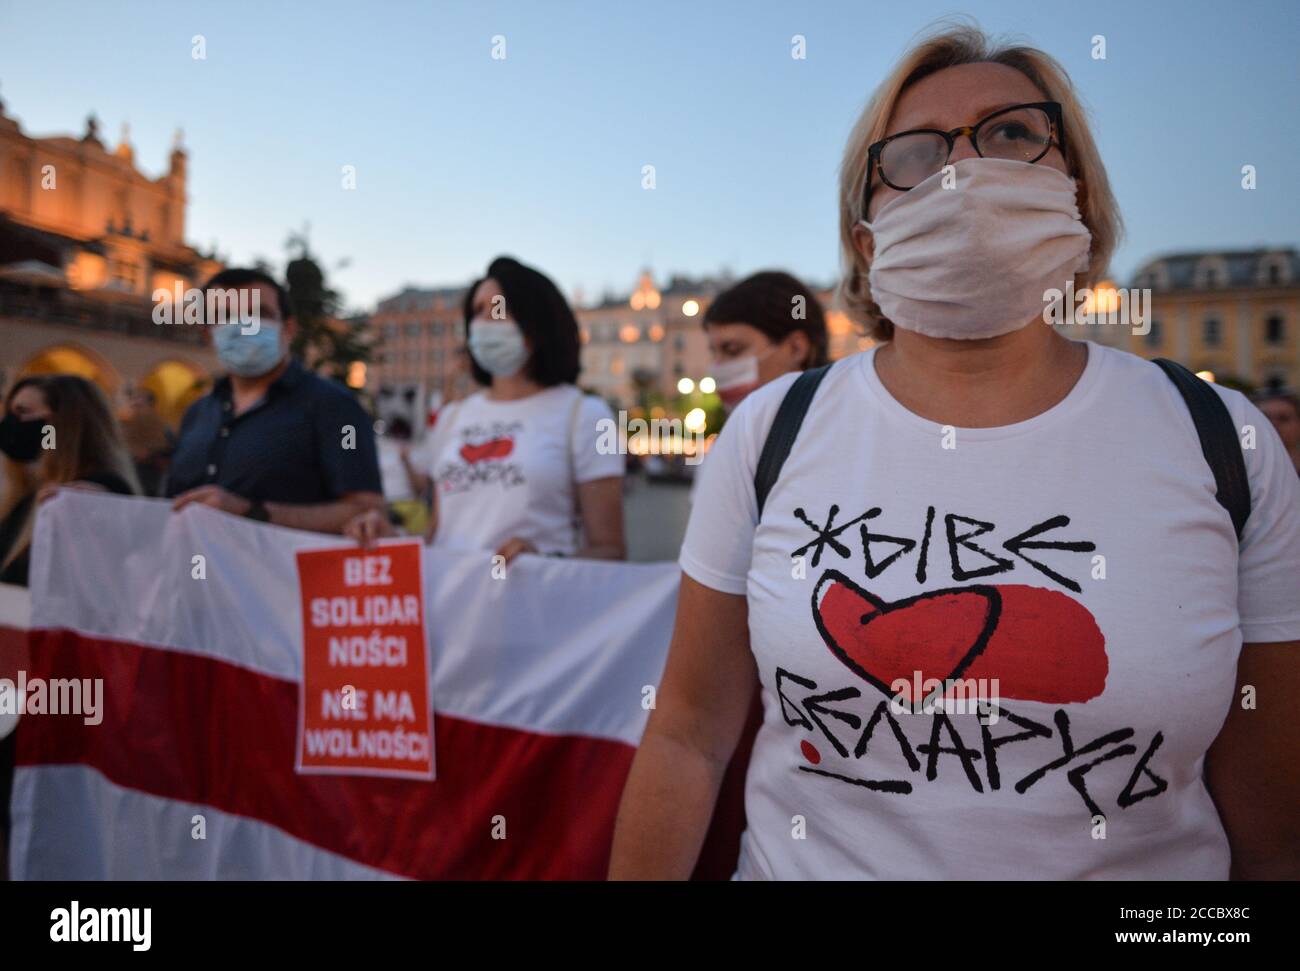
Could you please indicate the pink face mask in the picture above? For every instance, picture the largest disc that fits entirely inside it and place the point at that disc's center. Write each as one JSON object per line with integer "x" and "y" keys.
{"x": 978, "y": 259}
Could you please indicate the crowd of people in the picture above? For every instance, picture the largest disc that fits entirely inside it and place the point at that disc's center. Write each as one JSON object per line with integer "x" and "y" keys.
{"x": 963, "y": 418}
{"x": 277, "y": 443}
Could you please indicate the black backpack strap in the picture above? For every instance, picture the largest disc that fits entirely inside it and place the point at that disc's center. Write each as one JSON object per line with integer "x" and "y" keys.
{"x": 784, "y": 430}
{"x": 1219, "y": 441}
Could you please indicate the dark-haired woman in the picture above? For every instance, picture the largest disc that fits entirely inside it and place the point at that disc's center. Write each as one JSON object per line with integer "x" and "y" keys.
{"x": 767, "y": 325}
{"x": 57, "y": 432}
{"x": 518, "y": 466}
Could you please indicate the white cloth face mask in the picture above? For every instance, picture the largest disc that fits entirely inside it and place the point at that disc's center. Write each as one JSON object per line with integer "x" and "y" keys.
{"x": 497, "y": 345}
{"x": 978, "y": 259}
{"x": 737, "y": 377}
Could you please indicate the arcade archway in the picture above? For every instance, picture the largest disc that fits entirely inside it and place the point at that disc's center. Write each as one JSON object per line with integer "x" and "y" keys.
{"x": 71, "y": 359}
{"x": 175, "y": 386}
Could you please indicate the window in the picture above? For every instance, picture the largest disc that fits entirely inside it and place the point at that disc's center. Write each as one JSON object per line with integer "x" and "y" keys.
{"x": 1274, "y": 329}
{"x": 1211, "y": 332}
{"x": 125, "y": 275}
{"x": 1211, "y": 272}
{"x": 1156, "y": 277}
{"x": 1274, "y": 270}
{"x": 412, "y": 330}
{"x": 1155, "y": 334}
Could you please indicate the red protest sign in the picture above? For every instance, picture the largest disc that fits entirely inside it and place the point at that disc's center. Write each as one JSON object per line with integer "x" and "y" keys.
{"x": 363, "y": 705}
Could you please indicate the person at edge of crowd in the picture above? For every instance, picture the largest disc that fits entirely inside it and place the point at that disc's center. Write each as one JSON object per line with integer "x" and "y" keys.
{"x": 148, "y": 439}
{"x": 404, "y": 484}
{"x": 979, "y": 497}
{"x": 1282, "y": 408}
{"x": 767, "y": 325}
{"x": 519, "y": 466}
{"x": 272, "y": 441}
{"x": 85, "y": 450}
{"x": 58, "y": 431}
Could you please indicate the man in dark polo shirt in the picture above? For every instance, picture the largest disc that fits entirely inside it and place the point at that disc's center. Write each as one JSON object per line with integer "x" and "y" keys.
{"x": 273, "y": 441}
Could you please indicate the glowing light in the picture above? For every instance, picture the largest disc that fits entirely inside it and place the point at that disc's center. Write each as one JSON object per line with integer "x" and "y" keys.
{"x": 690, "y": 308}
{"x": 685, "y": 386}
{"x": 708, "y": 385}
{"x": 1103, "y": 299}
{"x": 357, "y": 374}
{"x": 645, "y": 296}
{"x": 838, "y": 323}
{"x": 629, "y": 333}
{"x": 656, "y": 332}
{"x": 694, "y": 420}
{"x": 1206, "y": 376}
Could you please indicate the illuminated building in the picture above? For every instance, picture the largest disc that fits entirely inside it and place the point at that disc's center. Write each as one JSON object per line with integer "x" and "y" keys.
{"x": 85, "y": 239}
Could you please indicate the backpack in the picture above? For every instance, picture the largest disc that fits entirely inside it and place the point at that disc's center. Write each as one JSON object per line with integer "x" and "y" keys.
{"x": 1214, "y": 426}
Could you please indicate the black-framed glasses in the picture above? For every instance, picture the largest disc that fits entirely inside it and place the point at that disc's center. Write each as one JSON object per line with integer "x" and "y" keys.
{"x": 1021, "y": 133}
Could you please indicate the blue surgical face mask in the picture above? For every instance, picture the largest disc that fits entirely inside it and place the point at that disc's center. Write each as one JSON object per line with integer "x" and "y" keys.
{"x": 249, "y": 355}
{"x": 497, "y": 345}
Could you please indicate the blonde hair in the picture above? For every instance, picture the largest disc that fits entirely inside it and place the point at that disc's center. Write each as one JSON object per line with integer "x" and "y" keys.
{"x": 87, "y": 437}
{"x": 950, "y": 45}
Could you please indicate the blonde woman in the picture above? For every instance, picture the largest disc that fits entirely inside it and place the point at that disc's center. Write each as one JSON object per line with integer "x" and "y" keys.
{"x": 57, "y": 431}
{"x": 991, "y": 600}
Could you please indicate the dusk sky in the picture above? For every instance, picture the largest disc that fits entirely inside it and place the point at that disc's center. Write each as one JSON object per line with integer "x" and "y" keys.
{"x": 460, "y": 157}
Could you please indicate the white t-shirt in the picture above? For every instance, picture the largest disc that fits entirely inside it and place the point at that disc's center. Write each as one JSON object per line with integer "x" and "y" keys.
{"x": 503, "y": 469}
{"x": 1100, "y": 585}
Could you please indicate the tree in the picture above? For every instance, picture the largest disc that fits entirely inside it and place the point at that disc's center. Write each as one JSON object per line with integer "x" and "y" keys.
{"x": 644, "y": 382}
{"x": 324, "y": 341}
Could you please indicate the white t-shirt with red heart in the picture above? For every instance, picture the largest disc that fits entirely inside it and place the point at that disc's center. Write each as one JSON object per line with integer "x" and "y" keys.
{"x": 1066, "y": 587}
{"x": 507, "y": 469}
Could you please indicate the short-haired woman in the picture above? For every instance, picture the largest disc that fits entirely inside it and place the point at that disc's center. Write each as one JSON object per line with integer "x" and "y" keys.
{"x": 1002, "y": 626}
{"x": 767, "y": 325}
{"x": 518, "y": 467}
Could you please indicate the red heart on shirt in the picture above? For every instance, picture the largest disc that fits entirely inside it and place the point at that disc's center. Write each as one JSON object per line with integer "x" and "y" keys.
{"x": 496, "y": 448}
{"x": 1039, "y": 644}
